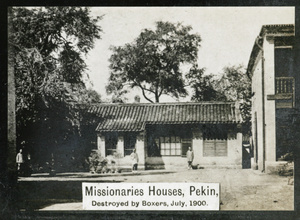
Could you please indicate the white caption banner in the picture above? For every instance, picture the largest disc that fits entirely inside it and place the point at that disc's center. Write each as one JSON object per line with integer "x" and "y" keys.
{"x": 150, "y": 196}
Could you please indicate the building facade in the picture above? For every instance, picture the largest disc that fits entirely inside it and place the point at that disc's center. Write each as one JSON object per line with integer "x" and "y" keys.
{"x": 162, "y": 133}
{"x": 271, "y": 67}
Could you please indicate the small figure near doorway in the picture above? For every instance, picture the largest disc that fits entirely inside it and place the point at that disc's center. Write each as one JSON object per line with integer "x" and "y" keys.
{"x": 135, "y": 159}
{"x": 19, "y": 160}
{"x": 190, "y": 157}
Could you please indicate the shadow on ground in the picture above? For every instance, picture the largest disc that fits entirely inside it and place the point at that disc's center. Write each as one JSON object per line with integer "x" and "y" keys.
{"x": 34, "y": 195}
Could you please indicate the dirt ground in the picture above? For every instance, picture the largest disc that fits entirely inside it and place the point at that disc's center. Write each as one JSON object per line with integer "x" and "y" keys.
{"x": 243, "y": 189}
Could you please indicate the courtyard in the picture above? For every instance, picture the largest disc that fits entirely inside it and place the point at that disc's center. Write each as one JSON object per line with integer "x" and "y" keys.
{"x": 241, "y": 189}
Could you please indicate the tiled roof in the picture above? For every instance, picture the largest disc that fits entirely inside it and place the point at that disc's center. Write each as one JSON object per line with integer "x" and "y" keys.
{"x": 133, "y": 117}
{"x": 276, "y": 30}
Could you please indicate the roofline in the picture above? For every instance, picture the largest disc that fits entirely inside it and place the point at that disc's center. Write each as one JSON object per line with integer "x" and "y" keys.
{"x": 280, "y": 29}
{"x": 163, "y": 103}
{"x": 169, "y": 123}
{"x": 190, "y": 122}
{"x": 233, "y": 106}
{"x": 275, "y": 30}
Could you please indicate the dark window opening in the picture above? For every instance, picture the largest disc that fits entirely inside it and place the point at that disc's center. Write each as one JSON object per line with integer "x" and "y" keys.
{"x": 129, "y": 143}
{"x": 111, "y": 141}
{"x": 185, "y": 144}
{"x": 153, "y": 146}
{"x": 284, "y": 62}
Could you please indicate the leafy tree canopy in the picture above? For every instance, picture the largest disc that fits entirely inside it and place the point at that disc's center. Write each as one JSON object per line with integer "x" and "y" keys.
{"x": 153, "y": 61}
{"x": 235, "y": 85}
{"x": 232, "y": 85}
{"x": 234, "y": 82}
{"x": 49, "y": 43}
{"x": 202, "y": 86}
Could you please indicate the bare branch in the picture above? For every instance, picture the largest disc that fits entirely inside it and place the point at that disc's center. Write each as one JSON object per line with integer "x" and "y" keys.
{"x": 143, "y": 91}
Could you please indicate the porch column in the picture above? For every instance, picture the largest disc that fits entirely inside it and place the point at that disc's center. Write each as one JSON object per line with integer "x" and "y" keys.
{"x": 120, "y": 145}
{"x": 197, "y": 145}
{"x": 239, "y": 151}
{"x": 140, "y": 150}
{"x": 270, "y": 108}
{"x": 101, "y": 144}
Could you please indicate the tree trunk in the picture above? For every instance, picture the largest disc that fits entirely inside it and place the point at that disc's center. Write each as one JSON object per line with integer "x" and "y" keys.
{"x": 156, "y": 97}
{"x": 8, "y": 190}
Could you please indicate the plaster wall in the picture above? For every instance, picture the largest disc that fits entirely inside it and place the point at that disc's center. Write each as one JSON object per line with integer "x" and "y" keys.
{"x": 197, "y": 146}
{"x": 257, "y": 107}
{"x": 120, "y": 145}
{"x": 140, "y": 149}
{"x": 233, "y": 158}
{"x": 270, "y": 116}
{"x": 101, "y": 144}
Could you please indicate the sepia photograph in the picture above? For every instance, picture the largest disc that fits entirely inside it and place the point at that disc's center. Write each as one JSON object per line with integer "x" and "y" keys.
{"x": 152, "y": 108}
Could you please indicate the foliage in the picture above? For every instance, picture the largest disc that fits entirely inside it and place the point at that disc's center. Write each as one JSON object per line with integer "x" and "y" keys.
{"x": 287, "y": 157}
{"x": 202, "y": 86}
{"x": 49, "y": 44}
{"x": 287, "y": 169}
{"x": 234, "y": 82}
{"x": 153, "y": 62}
{"x": 100, "y": 164}
{"x": 50, "y": 55}
{"x": 236, "y": 86}
{"x": 97, "y": 162}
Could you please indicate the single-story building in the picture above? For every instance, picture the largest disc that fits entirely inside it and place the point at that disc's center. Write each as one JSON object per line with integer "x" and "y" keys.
{"x": 162, "y": 133}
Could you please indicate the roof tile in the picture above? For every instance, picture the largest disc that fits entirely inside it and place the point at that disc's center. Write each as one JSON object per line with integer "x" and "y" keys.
{"x": 133, "y": 117}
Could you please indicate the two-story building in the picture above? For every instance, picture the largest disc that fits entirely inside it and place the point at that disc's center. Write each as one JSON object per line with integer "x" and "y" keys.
{"x": 271, "y": 67}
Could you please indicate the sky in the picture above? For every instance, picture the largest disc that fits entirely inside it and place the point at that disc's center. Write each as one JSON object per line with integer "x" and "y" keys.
{"x": 227, "y": 33}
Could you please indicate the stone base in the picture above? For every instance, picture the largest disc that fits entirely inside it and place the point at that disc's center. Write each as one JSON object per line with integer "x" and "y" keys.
{"x": 254, "y": 166}
{"x": 123, "y": 169}
{"x": 155, "y": 167}
{"x": 226, "y": 166}
{"x": 274, "y": 166}
{"x": 185, "y": 167}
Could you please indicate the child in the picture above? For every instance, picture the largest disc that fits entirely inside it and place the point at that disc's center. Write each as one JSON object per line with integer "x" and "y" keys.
{"x": 135, "y": 159}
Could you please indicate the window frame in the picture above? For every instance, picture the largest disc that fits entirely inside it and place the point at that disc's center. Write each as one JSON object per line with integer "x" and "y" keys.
{"x": 167, "y": 147}
{"x": 127, "y": 139}
{"x": 215, "y": 151}
{"x": 179, "y": 141}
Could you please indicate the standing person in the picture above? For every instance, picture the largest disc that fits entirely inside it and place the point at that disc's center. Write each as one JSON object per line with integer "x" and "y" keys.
{"x": 135, "y": 159}
{"x": 19, "y": 159}
{"x": 27, "y": 167}
{"x": 190, "y": 157}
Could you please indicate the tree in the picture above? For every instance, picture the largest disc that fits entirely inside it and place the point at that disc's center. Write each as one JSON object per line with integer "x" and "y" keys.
{"x": 153, "y": 62}
{"x": 49, "y": 43}
{"x": 236, "y": 86}
{"x": 202, "y": 86}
